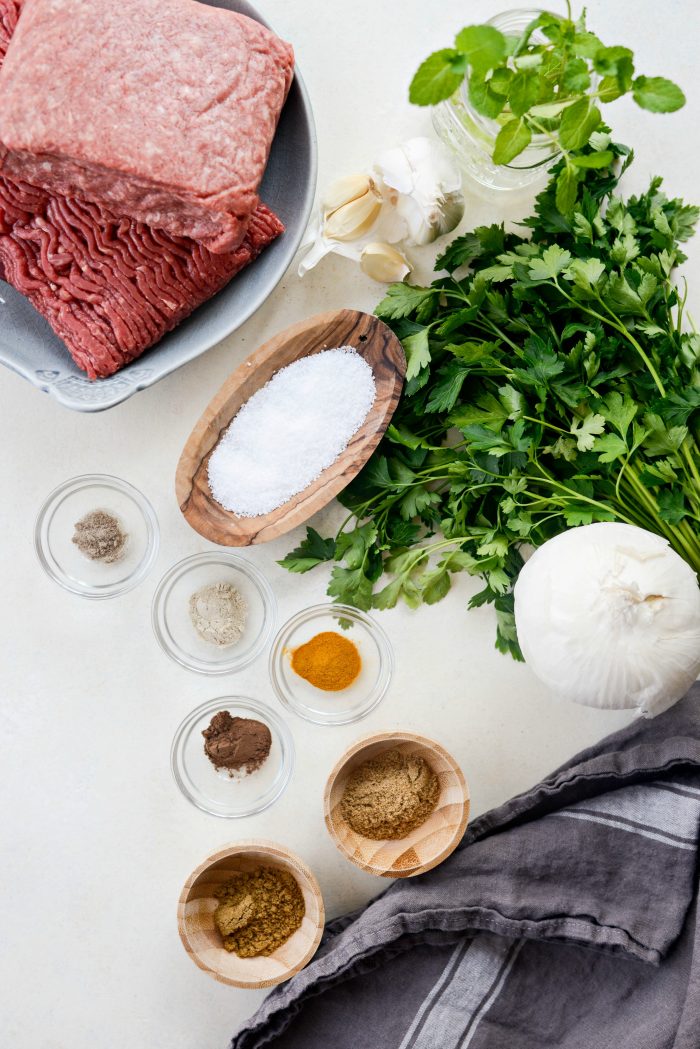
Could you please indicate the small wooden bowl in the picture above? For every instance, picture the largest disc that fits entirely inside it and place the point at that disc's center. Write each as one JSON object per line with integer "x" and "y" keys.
{"x": 201, "y": 939}
{"x": 427, "y": 845}
{"x": 374, "y": 341}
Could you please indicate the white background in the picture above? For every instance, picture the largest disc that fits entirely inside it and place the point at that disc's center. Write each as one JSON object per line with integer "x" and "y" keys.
{"x": 96, "y": 839}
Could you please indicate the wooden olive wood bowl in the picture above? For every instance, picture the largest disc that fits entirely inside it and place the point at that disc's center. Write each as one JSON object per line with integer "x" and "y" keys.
{"x": 373, "y": 340}
{"x": 201, "y": 939}
{"x": 424, "y": 847}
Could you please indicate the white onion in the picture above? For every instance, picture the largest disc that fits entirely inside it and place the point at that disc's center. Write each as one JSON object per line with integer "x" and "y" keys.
{"x": 609, "y": 615}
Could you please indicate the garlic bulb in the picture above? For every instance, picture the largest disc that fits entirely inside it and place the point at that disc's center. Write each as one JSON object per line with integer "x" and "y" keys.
{"x": 384, "y": 263}
{"x": 608, "y": 615}
{"x": 424, "y": 184}
{"x": 351, "y": 207}
{"x": 414, "y": 197}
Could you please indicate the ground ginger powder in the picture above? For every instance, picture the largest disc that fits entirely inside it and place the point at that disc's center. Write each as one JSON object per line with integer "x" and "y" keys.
{"x": 390, "y": 795}
{"x": 258, "y": 911}
{"x": 328, "y": 661}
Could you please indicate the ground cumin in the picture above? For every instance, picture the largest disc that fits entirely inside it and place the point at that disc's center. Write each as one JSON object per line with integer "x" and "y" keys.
{"x": 328, "y": 661}
{"x": 390, "y": 795}
{"x": 258, "y": 911}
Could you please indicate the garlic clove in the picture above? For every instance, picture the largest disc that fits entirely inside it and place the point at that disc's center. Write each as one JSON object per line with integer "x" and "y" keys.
{"x": 354, "y": 218}
{"x": 384, "y": 263}
{"x": 345, "y": 189}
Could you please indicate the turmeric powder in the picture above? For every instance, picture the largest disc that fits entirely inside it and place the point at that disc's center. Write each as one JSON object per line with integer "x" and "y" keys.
{"x": 328, "y": 661}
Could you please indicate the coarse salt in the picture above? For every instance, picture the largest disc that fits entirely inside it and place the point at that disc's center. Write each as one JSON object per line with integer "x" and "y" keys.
{"x": 291, "y": 430}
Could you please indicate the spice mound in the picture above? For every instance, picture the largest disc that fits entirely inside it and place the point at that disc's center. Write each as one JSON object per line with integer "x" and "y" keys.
{"x": 100, "y": 537}
{"x": 328, "y": 661}
{"x": 389, "y": 796}
{"x": 236, "y": 744}
{"x": 219, "y": 613}
{"x": 258, "y": 911}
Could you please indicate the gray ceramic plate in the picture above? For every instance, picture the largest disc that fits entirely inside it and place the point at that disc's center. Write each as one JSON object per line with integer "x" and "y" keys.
{"x": 29, "y": 347}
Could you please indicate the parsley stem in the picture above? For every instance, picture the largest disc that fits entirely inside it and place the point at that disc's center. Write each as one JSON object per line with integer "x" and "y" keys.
{"x": 689, "y": 458}
{"x": 549, "y": 426}
{"x": 677, "y": 535}
{"x": 577, "y": 496}
{"x": 617, "y": 324}
{"x": 630, "y": 338}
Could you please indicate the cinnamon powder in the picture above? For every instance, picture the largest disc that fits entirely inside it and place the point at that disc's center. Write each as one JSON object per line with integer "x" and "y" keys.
{"x": 236, "y": 744}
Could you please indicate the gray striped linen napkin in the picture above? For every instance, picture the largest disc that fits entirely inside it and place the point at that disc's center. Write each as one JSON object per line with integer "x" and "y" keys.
{"x": 567, "y": 919}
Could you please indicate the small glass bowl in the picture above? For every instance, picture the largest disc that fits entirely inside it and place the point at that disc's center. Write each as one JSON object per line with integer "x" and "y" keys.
{"x": 214, "y": 790}
{"x": 61, "y": 558}
{"x": 366, "y": 691}
{"x": 175, "y": 631}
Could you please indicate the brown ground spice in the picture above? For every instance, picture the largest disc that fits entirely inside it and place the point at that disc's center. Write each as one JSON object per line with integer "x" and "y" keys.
{"x": 390, "y": 795}
{"x": 99, "y": 536}
{"x": 236, "y": 744}
{"x": 258, "y": 911}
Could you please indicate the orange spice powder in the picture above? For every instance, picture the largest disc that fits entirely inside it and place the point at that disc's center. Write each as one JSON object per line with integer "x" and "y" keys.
{"x": 328, "y": 661}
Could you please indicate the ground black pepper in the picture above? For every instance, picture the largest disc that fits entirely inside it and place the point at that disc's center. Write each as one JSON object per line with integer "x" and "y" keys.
{"x": 99, "y": 536}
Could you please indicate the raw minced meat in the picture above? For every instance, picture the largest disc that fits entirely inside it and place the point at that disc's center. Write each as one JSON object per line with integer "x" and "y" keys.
{"x": 163, "y": 110}
{"x": 9, "y": 13}
{"x": 108, "y": 286}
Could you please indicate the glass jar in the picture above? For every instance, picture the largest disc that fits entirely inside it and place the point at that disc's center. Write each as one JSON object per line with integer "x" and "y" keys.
{"x": 471, "y": 136}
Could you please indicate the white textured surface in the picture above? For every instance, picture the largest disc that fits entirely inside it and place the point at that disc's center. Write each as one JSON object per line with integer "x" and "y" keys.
{"x": 95, "y": 838}
{"x": 291, "y": 430}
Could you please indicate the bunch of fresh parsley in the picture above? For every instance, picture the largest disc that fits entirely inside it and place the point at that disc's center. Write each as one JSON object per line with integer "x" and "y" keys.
{"x": 551, "y": 383}
{"x": 546, "y": 81}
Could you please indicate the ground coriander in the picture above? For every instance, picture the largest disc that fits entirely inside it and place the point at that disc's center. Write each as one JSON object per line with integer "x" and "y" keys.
{"x": 389, "y": 796}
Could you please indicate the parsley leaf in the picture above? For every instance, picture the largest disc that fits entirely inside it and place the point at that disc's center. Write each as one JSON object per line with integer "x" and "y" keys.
{"x": 417, "y": 348}
{"x": 401, "y": 300}
{"x": 311, "y": 552}
{"x": 585, "y": 430}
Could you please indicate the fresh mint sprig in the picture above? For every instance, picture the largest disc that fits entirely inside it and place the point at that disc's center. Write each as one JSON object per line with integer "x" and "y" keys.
{"x": 551, "y": 88}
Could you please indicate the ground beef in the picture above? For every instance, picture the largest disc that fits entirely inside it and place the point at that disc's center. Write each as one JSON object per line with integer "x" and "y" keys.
{"x": 9, "y": 13}
{"x": 108, "y": 286}
{"x": 163, "y": 110}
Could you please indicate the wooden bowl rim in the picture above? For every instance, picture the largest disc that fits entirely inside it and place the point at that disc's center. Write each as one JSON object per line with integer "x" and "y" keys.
{"x": 275, "y": 851}
{"x": 398, "y": 737}
{"x": 268, "y": 522}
